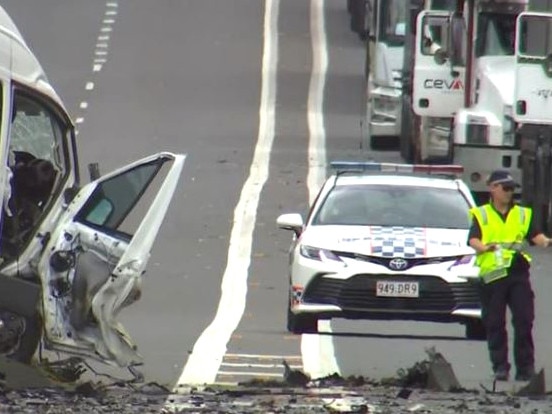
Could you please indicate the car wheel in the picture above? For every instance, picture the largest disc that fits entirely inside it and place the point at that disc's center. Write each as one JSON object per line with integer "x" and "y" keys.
{"x": 476, "y": 330}
{"x": 300, "y": 324}
{"x": 20, "y": 336}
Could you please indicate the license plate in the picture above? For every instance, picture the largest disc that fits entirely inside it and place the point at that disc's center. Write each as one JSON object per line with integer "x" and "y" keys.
{"x": 397, "y": 289}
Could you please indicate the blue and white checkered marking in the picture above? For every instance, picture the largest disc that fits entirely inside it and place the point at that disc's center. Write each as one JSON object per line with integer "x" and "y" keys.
{"x": 398, "y": 241}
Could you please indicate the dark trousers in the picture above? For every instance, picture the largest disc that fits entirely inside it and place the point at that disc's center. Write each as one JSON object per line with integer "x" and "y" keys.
{"x": 515, "y": 292}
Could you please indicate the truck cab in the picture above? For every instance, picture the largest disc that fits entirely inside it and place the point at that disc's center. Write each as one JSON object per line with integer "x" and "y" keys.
{"x": 383, "y": 71}
{"x": 464, "y": 88}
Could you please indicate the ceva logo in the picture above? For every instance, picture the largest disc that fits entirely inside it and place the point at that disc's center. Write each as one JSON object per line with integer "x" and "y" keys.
{"x": 448, "y": 85}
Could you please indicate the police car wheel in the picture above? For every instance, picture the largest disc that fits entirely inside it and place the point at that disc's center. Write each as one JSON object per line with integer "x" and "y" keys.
{"x": 475, "y": 330}
{"x": 300, "y": 324}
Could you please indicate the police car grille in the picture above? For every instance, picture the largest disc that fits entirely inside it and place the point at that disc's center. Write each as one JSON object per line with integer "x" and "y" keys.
{"x": 359, "y": 293}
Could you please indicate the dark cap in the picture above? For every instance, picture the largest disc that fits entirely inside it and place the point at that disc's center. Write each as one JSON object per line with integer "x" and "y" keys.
{"x": 502, "y": 177}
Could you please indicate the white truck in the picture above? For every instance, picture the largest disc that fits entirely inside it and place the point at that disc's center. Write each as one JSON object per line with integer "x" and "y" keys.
{"x": 381, "y": 25}
{"x": 471, "y": 84}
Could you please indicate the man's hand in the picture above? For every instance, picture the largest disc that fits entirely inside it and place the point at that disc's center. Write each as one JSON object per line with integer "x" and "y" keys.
{"x": 541, "y": 240}
{"x": 480, "y": 247}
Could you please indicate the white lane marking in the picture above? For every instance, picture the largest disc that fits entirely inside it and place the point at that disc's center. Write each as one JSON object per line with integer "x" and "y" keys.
{"x": 250, "y": 373}
{"x": 317, "y": 350}
{"x": 251, "y": 365}
{"x": 101, "y": 50}
{"x": 205, "y": 360}
{"x": 264, "y": 356}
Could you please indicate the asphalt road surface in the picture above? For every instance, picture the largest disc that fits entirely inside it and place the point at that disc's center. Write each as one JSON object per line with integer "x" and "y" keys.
{"x": 232, "y": 84}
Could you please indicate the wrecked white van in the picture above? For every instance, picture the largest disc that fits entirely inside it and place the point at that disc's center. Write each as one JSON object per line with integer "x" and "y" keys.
{"x": 71, "y": 256}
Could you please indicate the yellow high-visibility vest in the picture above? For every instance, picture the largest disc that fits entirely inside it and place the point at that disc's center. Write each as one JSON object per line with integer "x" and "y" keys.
{"x": 509, "y": 235}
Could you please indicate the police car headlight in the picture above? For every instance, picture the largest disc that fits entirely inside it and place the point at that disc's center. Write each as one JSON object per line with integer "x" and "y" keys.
{"x": 322, "y": 255}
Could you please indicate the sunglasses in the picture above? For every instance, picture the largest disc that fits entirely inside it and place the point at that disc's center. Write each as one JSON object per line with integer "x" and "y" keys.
{"x": 508, "y": 188}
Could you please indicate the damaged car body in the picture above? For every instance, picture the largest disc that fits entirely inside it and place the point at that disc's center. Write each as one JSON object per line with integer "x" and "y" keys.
{"x": 71, "y": 256}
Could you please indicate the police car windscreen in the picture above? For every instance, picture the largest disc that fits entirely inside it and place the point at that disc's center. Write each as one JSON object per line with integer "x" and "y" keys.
{"x": 384, "y": 205}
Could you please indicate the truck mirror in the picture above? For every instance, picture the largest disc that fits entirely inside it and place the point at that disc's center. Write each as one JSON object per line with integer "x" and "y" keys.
{"x": 457, "y": 42}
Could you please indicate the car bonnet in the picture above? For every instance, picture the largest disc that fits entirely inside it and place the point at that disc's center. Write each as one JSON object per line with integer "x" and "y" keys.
{"x": 407, "y": 242}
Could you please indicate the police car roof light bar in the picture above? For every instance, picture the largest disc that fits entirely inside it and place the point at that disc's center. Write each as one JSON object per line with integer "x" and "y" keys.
{"x": 360, "y": 166}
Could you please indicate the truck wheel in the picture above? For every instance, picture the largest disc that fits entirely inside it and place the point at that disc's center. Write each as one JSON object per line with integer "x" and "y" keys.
{"x": 350, "y": 6}
{"x": 19, "y": 336}
{"x": 475, "y": 329}
{"x": 358, "y": 18}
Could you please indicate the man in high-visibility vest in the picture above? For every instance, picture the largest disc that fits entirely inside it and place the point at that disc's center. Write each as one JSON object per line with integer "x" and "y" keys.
{"x": 498, "y": 232}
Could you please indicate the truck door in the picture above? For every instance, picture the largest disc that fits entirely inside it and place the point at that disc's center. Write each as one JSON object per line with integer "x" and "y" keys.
{"x": 438, "y": 84}
{"x": 533, "y": 90}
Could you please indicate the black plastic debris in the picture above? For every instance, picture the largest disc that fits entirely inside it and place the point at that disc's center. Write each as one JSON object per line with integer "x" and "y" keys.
{"x": 441, "y": 376}
{"x": 294, "y": 377}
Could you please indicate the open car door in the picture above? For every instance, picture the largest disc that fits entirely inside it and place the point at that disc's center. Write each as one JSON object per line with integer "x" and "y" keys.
{"x": 94, "y": 260}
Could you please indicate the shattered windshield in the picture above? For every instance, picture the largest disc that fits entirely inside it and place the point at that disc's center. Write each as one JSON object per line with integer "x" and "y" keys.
{"x": 495, "y": 34}
{"x": 393, "y": 205}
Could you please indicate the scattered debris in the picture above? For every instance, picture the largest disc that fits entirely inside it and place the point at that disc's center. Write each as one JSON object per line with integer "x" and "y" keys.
{"x": 535, "y": 387}
{"x": 294, "y": 376}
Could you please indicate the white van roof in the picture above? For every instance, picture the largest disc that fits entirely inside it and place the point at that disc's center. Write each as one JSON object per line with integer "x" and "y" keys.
{"x": 18, "y": 62}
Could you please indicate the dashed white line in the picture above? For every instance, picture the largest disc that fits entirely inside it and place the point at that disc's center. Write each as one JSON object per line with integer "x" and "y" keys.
{"x": 111, "y": 13}
{"x": 83, "y": 105}
{"x": 317, "y": 350}
{"x": 102, "y": 45}
{"x": 112, "y": 4}
{"x": 89, "y": 86}
{"x": 206, "y": 357}
{"x": 103, "y": 38}
{"x": 106, "y": 29}
{"x": 79, "y": 120}
{"x": 108, "y": 21}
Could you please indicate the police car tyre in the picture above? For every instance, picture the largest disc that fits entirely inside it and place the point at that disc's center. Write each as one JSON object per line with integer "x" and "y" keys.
{"x": 299, "y": 324}
{"x": 476, "y": 330}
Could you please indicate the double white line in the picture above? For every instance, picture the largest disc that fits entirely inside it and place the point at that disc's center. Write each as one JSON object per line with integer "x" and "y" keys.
{"x": 205, "y": 360}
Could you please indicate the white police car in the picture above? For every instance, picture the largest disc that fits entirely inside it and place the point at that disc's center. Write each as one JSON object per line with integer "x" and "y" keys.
{"x": 384, "y": 241}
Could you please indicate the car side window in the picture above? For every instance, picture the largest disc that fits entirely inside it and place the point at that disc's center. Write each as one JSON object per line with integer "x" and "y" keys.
{"x": 38, "y": 163}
